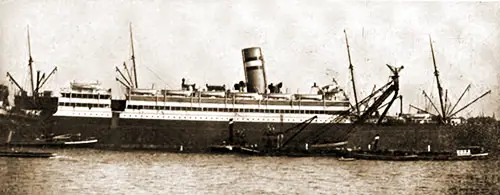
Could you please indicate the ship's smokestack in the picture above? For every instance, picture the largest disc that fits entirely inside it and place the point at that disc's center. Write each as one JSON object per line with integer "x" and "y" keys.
{"x": 255, "y": 74}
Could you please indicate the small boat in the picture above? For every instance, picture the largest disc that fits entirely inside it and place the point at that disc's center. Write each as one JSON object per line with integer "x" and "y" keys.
{"x": 85, "y": 85}
{"x": 143, "y": 91}
{"x": 247, "y": 95}
{"x": 464, "y": 153}
{"x": 233, "y": 149}
{"x": 17, "y": 154}
{"x": 346, "y": 159}
{"x": 66, "y": 140}
{"x": 213, "y": 94}
{"x": 389, "y": 156}
{"x": 285, "y": 96}
{"x": 308, "y": 96}
{"x": 184, "y": 93}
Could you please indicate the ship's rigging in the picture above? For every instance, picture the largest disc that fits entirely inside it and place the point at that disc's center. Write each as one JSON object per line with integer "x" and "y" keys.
{"x": 378, "y": 96}
{"x": 35, "y": 86}
{"x": 447, "y": 112}
{"x": 129, "y": 82}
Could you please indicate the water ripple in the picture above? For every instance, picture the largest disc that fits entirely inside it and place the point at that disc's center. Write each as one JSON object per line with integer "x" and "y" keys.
{"x": 112, "y": 172}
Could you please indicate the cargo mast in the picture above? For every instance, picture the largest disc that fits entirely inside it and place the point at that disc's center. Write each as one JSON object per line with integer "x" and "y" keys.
{"x": 133, "y": 57}
{"x": 351, "y": 68}
{"x": 30, "y": 65}
{"x": 440, "y": 89}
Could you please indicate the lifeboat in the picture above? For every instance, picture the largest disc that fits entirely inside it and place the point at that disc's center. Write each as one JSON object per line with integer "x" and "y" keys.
{"x": 279, "y": 96}
{"x": 309, "y": 96}
{"x": 247, "y": 95}
{"x": 179, "y": 93}
{"x": 144, "y": 91}
{"x": 213, "y": 94}
{"x": 85, "y": 85}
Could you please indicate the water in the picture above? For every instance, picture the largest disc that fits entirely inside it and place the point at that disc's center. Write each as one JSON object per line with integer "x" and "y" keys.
{"x": 84, "y": 171}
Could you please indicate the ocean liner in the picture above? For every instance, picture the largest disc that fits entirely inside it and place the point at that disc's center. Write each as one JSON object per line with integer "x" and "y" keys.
{"x": 191, "y": 119}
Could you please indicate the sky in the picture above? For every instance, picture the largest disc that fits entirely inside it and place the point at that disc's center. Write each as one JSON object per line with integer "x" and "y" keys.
{"x": 302, "y": 43}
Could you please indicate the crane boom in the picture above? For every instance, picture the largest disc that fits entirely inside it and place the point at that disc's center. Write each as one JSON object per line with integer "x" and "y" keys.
{"x": 41, "y": 78}
{"x": 304, "y": 124}
{"x": 47, "y": 78}
{"x": 37, "y": 82}
{"x": 128, "y": 74}
{"x": 422, "y": 110}
{"x": 15, "y": 82}
{"x": 125, "y": 85}
{"x": 122, "y": 76}
{"x": 432, "y": 103}
{"x": 484, "y": 94}
{"x": 461, "y": 96}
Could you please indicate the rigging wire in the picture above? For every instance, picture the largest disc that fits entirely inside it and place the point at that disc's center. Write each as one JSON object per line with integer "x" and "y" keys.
{"x": 156, "y": 75}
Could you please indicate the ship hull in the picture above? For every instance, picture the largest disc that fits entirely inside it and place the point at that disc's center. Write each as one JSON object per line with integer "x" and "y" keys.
{"x": 198, "y": 136}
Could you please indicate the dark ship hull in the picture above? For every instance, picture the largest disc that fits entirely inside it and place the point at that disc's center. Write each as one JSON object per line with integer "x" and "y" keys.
{"x": 198, "y": 136}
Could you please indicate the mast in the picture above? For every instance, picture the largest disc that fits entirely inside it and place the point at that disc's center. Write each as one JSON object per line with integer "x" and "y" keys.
{"x": 436, "y": 73}
{"x": 351, "y": 68}
{"x": 133, "y": 56}
{"x": 30, "y": 63}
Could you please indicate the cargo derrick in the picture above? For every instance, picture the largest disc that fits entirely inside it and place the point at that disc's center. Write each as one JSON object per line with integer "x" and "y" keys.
{"x": 445, "y": 114}
{"x": 129, "y": 82}
{"x": 380, "y": 95}
{"x": 23, "y": 100}
{"x": 279, "y": 136}
{"x": 393, "y": 88}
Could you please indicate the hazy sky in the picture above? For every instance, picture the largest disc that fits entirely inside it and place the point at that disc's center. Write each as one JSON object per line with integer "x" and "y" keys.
{"x": 301, "y": 40}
